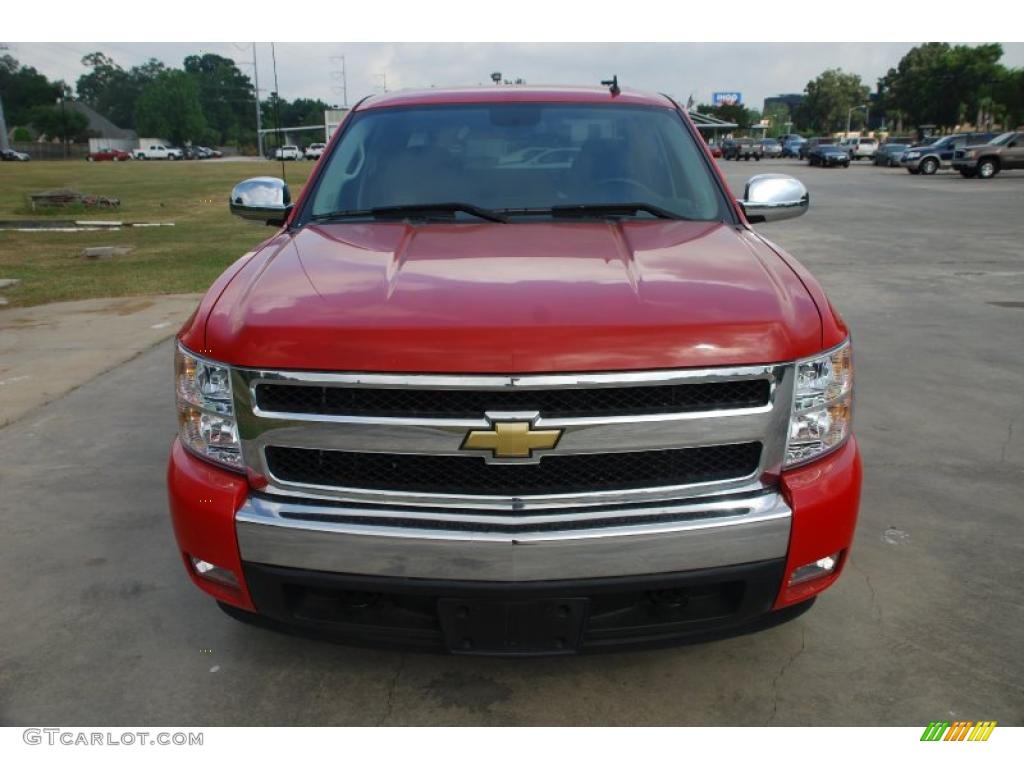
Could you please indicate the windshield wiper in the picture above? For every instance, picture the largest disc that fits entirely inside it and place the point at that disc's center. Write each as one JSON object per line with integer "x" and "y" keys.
{"x": 413, "y": 211}
{"x": 614, "y": 209}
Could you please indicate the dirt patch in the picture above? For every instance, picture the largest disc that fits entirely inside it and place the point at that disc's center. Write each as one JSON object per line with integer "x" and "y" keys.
{"x": 122, "y": 309}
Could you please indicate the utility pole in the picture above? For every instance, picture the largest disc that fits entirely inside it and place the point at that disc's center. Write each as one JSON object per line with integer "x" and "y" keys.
{"x": 3, "y": 126}
{"x": 256, "y": 81}
{"x": 342, "y": 75}
{"x": 63, "y": 121}
{"x": 3, "y": 123}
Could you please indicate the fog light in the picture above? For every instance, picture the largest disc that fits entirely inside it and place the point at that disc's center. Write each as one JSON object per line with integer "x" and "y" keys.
{"x": 213, "y": 573}
{"x": 815, "y": 570}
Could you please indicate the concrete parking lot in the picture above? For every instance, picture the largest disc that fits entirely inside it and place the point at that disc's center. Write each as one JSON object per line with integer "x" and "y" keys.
{"x": 99, "y": 625}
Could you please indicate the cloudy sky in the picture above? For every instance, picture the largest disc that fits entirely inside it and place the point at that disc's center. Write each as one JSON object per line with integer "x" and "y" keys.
{"x": 314, "y": 69}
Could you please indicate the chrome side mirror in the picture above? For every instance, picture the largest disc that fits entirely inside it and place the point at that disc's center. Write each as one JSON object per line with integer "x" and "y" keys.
{"x": 264, "y": 199}
{"x": 774, "y": 197}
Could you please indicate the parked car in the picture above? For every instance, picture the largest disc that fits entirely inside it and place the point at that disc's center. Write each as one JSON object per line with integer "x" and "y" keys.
{"x": 195, "y": 153}
{"x": 928, "y": 158}
{"x": 791, "y": 147}
{"x": 859, "y": 148}
{"x": 158, "y": 152}
{"x": 475, "y": 433}
{"x": 313, "y": 151}
{"x": 736, "y": 149}
{"x": 8, "y": 155}
{"x": 288, "y": 152}
{"x": 889, "y": 154}
{"x": 1005, "y": 152}
{"x": 811, "y": 143}
{"x": 827, "y": 155}
{"x": 770, "y": 148}
{"x": 716, "y": 151}
{"x": 114, "y": 155}
{"x": 212, "y": 153}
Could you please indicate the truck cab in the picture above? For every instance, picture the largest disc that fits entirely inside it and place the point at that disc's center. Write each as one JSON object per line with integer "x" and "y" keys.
{"x": 515, "y": 408}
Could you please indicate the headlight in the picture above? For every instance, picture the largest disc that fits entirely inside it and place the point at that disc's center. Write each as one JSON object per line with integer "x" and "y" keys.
{"x": 912, "y": 155}
{"x": 206, "y": 421}
{"x": 822, "y": 405}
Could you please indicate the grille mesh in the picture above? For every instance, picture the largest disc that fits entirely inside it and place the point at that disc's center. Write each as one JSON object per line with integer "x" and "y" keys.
{"x": 568, "y": 473}
{"x": 552, "y": 403}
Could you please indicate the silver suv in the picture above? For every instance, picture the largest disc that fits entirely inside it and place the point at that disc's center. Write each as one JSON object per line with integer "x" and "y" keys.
{"x": 859, "y": 148}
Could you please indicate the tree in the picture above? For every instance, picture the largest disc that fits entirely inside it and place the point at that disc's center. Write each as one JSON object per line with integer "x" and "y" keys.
{"x": 65, "y": 123}
{"x": 292, "y": 114}
{"x": 23, "y": 89}
{"x": 1008, "y": 95}
{"x": 227, "y": 97}
{"x": 731, "y": 113}
{"x": 169, "y": 108}
{"x": 778, "y": 116}
{"x": 828, "y": 100}
{"x": 944, "y": 85}
{"x": 113, "y": 91}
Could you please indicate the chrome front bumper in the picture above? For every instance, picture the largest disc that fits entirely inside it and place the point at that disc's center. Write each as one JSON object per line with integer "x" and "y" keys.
{"x": 635, "y": 540}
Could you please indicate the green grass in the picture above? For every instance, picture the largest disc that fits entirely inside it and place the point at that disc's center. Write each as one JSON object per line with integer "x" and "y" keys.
{"x": 184, "y": 258}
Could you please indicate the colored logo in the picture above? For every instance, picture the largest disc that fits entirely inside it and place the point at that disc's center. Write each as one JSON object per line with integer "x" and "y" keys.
{"x": 962, "y": 730}
{"x": 511, "y": 440}
{"x": 719, "y": 98}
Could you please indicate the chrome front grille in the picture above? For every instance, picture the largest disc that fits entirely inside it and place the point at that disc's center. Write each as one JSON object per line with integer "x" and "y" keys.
{"x": 556, "y": 473}
{"x": 390, "y": 441}
{"x": 552, "y": 403}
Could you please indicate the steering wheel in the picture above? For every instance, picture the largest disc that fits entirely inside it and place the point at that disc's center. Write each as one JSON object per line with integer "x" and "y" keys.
{"x": 631, "y": 183}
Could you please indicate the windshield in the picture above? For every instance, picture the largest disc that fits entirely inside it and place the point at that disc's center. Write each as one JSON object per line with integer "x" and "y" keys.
{"x": 513, "y": 156}
{"x": 1003, "y": 138}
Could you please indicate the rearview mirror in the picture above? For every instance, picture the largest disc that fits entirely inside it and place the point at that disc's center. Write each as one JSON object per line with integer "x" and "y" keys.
{"x": 774, "y": 197}
{"x": 264, "y": 199}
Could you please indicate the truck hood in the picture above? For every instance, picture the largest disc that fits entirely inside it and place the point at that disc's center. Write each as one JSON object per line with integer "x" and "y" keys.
{"x": 513, "y": 298}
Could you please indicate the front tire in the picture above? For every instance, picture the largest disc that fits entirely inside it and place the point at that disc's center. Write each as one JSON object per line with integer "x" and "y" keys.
{"x": 987, "y": 168}
{"x": 929, "y": 166}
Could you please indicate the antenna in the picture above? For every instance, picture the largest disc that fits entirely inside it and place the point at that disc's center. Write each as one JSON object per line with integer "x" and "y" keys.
{"x": 613, "y": 85}
{"x": 277, "y": 109}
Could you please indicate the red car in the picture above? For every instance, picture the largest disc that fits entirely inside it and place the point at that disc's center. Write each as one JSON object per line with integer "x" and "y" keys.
{"x": 503, "y": 408}
{"x": 108, "y": 154}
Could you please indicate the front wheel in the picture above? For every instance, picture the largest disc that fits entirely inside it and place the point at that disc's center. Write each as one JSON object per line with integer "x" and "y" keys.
{"x": 929, "y": 166}
{"x": 987, "y": 168}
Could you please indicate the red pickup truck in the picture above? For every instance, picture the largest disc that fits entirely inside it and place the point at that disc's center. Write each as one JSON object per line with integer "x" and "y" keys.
{"x": 467, "y": 401}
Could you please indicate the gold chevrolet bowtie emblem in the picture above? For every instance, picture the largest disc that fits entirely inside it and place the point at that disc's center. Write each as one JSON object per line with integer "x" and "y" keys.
{"x": 511, "y": 440}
